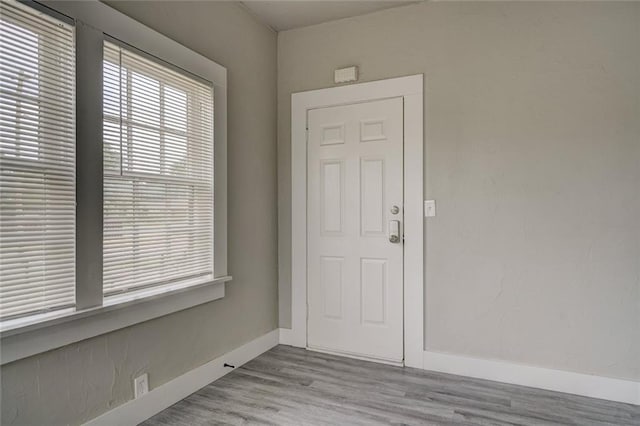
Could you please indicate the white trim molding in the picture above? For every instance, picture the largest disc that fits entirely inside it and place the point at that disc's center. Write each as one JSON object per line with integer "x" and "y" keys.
{"x": 410, "y": 88}
{"x": 64, "y": 328}
{"x": 607, "y": 388}
{"x": 138, "y": 410}
{"x": 286, "y": 337}
{"x": 536, "y": 377}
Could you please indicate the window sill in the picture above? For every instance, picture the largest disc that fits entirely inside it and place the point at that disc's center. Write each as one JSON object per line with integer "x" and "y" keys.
{"x": 31, "y": 336}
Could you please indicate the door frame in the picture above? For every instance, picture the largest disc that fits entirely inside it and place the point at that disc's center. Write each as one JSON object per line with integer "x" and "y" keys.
{"x": 410, "y": 88}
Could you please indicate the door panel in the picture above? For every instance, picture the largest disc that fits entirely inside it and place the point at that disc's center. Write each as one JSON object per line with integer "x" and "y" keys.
{"x": 372, "y": 196}
{"x": 355, "y": 283}
{"x": 373, "y": 283}
{"x": 331, "y": 278}
{"x": 331, "y": 196}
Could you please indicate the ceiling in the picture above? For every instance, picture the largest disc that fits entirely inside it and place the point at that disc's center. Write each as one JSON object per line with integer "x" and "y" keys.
{"x": 286, "y": 14}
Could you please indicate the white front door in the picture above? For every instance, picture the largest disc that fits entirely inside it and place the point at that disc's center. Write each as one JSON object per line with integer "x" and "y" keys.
{"x": 354, "y": 225}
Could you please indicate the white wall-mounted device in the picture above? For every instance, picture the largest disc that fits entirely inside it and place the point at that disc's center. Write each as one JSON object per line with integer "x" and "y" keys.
{"x": 344, "y": 75}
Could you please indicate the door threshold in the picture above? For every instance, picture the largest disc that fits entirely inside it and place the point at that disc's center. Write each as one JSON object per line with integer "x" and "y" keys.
{"x": 356, "y": 356}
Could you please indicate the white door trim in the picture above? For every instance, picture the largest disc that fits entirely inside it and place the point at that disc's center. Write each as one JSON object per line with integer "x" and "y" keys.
{"x": 410, "y": 88}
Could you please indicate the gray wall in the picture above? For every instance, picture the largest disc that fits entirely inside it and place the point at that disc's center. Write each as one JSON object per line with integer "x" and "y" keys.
{"x": 532, "y": 151}
{"x": 78, "y": 382}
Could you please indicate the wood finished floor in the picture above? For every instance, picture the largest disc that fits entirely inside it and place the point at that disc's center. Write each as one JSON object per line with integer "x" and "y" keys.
{"x": 289, "y": 386}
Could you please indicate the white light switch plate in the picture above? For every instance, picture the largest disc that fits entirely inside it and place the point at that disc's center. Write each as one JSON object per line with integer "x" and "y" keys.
{"x": 429, "y": 208}
{"x": 141, "y": 385}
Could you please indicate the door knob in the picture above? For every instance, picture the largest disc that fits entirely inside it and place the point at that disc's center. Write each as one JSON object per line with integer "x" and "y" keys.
{"x": 394, "y": 231}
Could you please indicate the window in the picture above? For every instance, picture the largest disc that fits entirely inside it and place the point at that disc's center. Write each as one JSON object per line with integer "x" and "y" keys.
{"x": 158, "y": 173}
{"x": 108, "y": 175}
{"x": 37, "y": 162}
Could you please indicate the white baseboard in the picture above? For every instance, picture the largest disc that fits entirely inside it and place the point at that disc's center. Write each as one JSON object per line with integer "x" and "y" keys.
{"x": 286, "y": 337}
{"x": 137, "y": 410}
{"x": 518, "y": 374}
{"x": 536, "y": 377}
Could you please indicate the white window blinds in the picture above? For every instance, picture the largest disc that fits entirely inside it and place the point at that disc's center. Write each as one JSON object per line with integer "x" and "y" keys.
{"x": 158, "y": 173}
{"x": 37, "y": 162}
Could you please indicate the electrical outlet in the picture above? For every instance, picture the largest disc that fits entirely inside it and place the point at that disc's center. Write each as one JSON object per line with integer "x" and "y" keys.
{"x": 141, "y": 385}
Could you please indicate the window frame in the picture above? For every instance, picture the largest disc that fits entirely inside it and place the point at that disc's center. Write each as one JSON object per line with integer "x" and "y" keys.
{"x": 94, "y": 314}
{"x": 197, "y": 180}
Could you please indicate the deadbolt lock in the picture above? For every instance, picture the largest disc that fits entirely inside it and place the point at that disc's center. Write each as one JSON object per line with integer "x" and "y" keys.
{"x": 394, "y": 231}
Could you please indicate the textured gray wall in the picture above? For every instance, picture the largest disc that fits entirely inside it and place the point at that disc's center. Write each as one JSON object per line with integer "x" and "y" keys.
{"x": 78, "y": 382}
{"x": 532, "y": 151}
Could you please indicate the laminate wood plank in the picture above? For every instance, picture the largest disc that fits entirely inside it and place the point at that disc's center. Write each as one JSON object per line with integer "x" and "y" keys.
{"x": 291, "y": 386}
